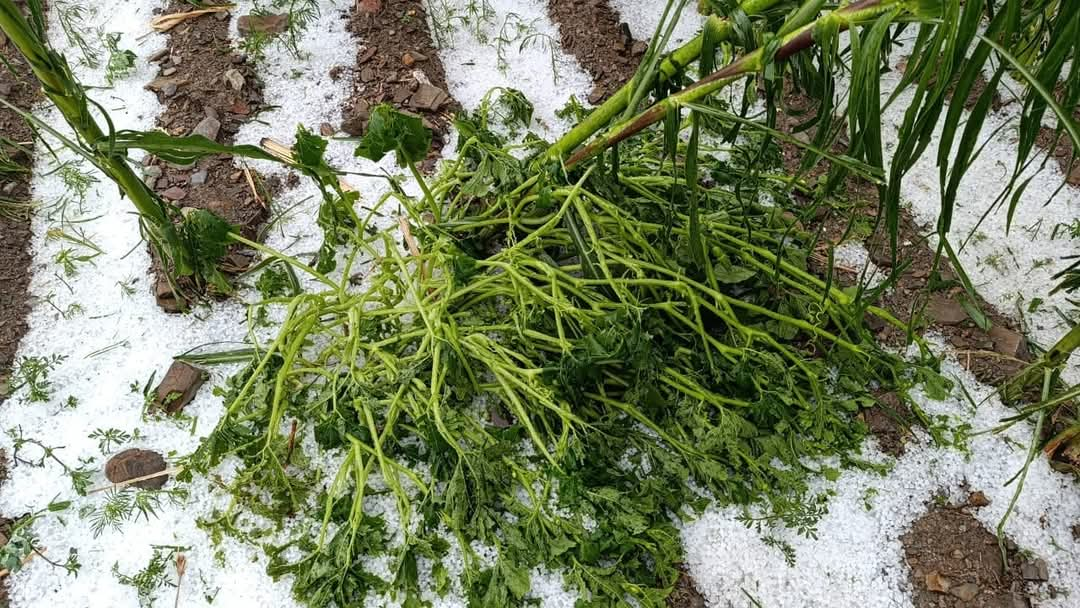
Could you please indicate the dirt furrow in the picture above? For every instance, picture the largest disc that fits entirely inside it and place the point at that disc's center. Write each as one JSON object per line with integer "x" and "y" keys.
{"x": 592, "y": 31}
{"x": 210, "y": 89}
{"x": 397, "y": 63}
{"x": 17, "y": 86}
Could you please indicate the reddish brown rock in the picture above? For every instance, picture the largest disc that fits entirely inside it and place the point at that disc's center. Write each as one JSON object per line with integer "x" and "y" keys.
{"x": 133, "y": 463}
{"x": 178, "y": 387}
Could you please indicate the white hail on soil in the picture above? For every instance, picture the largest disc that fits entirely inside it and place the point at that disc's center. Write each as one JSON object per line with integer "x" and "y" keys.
{"x": 644, "y": 17}
{"x": 98, "y": 316}
{"x": 844, "y": 567}
{"x": 529, "y": 57}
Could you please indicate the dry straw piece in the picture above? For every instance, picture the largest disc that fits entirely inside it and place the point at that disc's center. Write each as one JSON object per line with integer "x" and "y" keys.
{"x": 165, "y": 23}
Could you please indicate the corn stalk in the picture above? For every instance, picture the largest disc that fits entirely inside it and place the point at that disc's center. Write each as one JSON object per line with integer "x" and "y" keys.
{"x": 64, "y": 91}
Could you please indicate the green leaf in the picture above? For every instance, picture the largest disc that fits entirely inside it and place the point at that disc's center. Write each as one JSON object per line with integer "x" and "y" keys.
{"x": 179, "y": 150}
{"x": 392, "y": 131}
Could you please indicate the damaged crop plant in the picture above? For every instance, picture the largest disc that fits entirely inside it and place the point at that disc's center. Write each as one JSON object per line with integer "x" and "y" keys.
{"x": 563, "y": 349}
{"x": 551, "y": 361}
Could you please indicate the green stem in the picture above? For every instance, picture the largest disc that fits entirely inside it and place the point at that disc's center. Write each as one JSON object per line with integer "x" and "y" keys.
{"x": 673, "y": 64}
{"x": 67, "y": 94}
{"x": 1051, "y": 359}
{"x": 798, "y": 40}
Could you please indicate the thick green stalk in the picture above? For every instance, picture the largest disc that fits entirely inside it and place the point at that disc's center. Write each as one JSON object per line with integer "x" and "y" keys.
{"x": 68, "y": 96}
{"x": 796, "y": 41}
{"x": 669, "y": 67}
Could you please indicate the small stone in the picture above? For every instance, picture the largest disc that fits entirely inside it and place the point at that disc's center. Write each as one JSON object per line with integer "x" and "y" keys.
{"x": 977, "y": 500}
{"x": 237, "y": 59}
{"x": 597, "y": 95}
{"x": 401, "y": 94}
{"x": 1035, "y": 571}
{"x": 356, "y": 118}
{"x": 639, "y": 48}
{"x": 169, "y": 89}
{"x": 1019, "y": 601}
{"x": 428, "y": 97}
{"x": 158, "y": 56}
{"x": 326, "y": 129}
{"x": 221, "y": 16}
{"x": 176, "y": 193}
{"x": 411, "y": 58}
{"x": 152, "y": 171}
{"x": 9, "y": 188}
{"x": 367, "y": 75}
{"x": 262, "y": 24}
{"x": 957, "y": 554}
{"x": 965, "y": 592}
{"x": 176, "y": 60}
{"x": 199, "y": 177}
{"x": 168, "y": 71}
{"x": 5, "y": 89}
{"x": 1008, "y": 342}
{"x": 235, "y": 79}
{"x": 178, "y": 387}
{"x": 366, "y": 54}
{"x": 208, "y": 127}
{"x": 133, "y": 463}
{"x": 159, "y": 84}
{"x": 166, "y": 297}
{"x": 945, "y": 310}
{"x": 937, "y": 583}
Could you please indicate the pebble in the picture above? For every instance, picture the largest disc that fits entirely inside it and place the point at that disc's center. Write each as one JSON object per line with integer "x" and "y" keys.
{"x": 235, "y": 79}
{"x": 175, "y": 193}
{"x": 199, "y": 177}
{"x": 132, "y": 463}
{"x": 169, "y": 89}
{"x": 168, "y": 71}
{"x": 1035, "y": 571}
{"x": 327, "y": 129}
{"x": 208, "y": 127}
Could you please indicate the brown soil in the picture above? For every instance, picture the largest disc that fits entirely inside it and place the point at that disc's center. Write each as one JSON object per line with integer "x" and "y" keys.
{"x": 592, "y": 31}
{"x": 18, "y": 89}
{"x": 955, "y": 562}
{"x": 207, "y": 88}
{"x": 395, "y": 56}
{"x": 685, "y": 594}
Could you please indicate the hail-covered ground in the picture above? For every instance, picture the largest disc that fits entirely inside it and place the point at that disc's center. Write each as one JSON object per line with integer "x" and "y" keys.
{"x": 112, "y": 335}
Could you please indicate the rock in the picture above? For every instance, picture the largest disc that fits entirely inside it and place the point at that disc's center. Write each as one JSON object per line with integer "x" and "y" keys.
{"x": 1019, "y": 601}
{"x": 937, "y": 583}
{"x": 178, "y": 387}
{"x": 9, "y": 188}
{"x": 411, "y": 58}
{"x": 234, "y": 79}
{"x": 366, "y": 54}
{"x": 5, "y": 89}
{"x": 639, "y": 48}
{"x": 1008, "y": 342}
{"x": 977, "y": 500}
{"x": 262, "y": 24}
{"x": 158, "y": 56}
{"x": 152, "y": 171}
{"x": 169, "y": 89}
{"x": 175, "y": 193}
{"x": 945, "y": 310}
{"x": 965, "y": 592}
{"x": 369, "y": 6}
{"x": 168, "y": 71}
{"x": 367, "y": 75}
{"x": 356, "y": 118}
{"x": 326, "y": 129}
{"x": 208, "y": 127}
{"x": 401, "y": 94}
{"x": 428, "y": 97}
{"x": 159, "y": 84}
{"x": 133, "y": 463}
{"x": 1074, "y": 176}
{"x": 1035, "y": 571}
{"x": 166, "y": 298}
{"x": 199, "y": 177}
{"x": 597, "y": 95}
